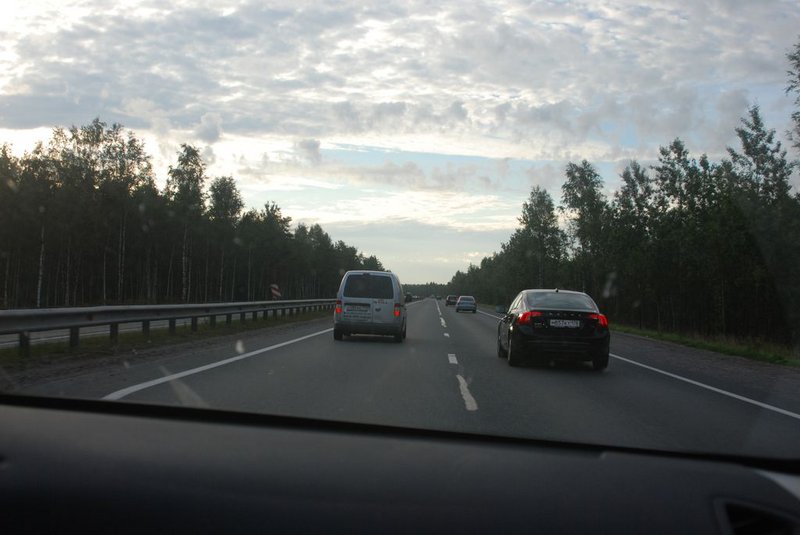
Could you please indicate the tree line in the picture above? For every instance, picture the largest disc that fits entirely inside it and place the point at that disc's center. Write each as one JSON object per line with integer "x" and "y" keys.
{"x": 82, "y": 222}
{"x": 687, "y": 244}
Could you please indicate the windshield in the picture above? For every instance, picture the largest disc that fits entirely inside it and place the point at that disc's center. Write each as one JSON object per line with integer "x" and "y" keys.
{"x": 184, "y": 187}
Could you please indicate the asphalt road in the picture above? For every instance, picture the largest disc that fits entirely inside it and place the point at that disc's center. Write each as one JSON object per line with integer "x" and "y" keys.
{"x": 446, "y": 375}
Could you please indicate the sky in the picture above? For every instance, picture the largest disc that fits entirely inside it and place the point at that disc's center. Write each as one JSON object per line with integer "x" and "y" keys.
{"x": 413, "y": 131}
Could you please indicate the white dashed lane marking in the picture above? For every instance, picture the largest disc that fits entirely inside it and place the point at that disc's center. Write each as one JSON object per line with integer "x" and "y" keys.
{"x": 444, "y": 323}
{"x": 469, "y": 401}
{"x": 452, "y": 358}
{"x": 447, "y": 335}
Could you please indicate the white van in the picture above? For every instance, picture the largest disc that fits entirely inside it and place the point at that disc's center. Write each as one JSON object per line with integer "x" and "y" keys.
{"x": 370, "y": 302}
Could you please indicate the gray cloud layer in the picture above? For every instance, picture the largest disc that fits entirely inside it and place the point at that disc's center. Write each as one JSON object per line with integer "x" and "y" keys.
{"x": 547, "y": 75}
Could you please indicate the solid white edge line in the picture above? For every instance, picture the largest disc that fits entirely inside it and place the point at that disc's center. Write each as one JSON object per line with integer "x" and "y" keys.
{"x": 452, "y": 358}
{"x": 119, "y": 394}
{"x": 712, "y": 388}
{"x": 469, "y": 401}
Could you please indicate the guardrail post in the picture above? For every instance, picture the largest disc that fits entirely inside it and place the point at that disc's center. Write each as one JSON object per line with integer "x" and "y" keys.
{"x": 74, "y": 336}
{"x": 255, "y": 315}
{"x": 228, "y": 319}
{"x": 146, "y": 328}
{"x": 242, "y": 317}
{"x": 212, "y": 321}
{"x": 113, "y": 332}
{"x": 25, "y": 344}
{"x": 171, "y": 323}
{"x": 194, "y": 324}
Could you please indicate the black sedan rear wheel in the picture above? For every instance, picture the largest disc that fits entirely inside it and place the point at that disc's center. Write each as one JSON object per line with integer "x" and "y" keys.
{"x": 501, "y": 353}
{"x": 600, "y": 363}
{"x": 513, "y": 356}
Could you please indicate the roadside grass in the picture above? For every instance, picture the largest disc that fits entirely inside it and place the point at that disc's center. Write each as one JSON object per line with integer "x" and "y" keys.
{"x": 100, "y": 346}
{"x": 751, "y": 349}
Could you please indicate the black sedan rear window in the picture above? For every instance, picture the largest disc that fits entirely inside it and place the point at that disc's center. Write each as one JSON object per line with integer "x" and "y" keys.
{"x": 560, "y": 300}
{"x": 370, "y": 286}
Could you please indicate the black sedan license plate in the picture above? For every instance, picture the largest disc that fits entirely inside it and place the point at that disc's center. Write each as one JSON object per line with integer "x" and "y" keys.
{"x": 565, "y": 324}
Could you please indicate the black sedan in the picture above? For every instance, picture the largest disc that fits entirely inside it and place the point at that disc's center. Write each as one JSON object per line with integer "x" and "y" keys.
{"x": 544, "y": 325}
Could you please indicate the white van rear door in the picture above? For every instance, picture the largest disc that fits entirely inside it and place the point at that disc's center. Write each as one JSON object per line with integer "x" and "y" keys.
{"x": 368, "y": 297}
{"x": 382, "y": 289}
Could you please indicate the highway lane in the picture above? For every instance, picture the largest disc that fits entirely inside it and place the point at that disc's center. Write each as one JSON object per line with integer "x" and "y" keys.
{"x": 447, "y": 376}
{"x": 625, "y": 405}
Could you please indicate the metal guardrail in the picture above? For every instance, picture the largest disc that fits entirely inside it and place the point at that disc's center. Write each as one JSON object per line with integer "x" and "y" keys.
{"x": 24, "y": 321}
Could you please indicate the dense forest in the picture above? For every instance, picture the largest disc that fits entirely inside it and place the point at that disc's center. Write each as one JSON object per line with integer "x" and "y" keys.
{"x": 686, "y": 244}
{"x": 83, "y": 223}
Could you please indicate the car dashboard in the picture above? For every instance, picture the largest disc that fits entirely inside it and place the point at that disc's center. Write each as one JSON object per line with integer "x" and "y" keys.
{"x": 85, "y": 466}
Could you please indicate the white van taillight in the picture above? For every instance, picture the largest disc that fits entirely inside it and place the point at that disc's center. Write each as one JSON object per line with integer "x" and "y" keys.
{"x": 397, "y": 310}
{"x": 338, "y": 306}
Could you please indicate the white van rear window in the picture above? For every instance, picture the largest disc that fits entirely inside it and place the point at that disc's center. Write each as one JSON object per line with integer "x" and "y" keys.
{"x": 370, "y": 286}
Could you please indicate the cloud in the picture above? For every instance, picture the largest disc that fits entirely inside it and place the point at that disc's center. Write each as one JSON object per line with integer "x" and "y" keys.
{"x": 308, "y": 151}
{"x": 547, "y": 77}
{"x": 208, "y": 155}
{"x": 548, "y": 176}
{"x": 210, "y": 127}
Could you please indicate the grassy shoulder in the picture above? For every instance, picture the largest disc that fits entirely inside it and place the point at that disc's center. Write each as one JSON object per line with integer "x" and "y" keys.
{"x": 100, "y": 347}
{"x": 750, "y": 349}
